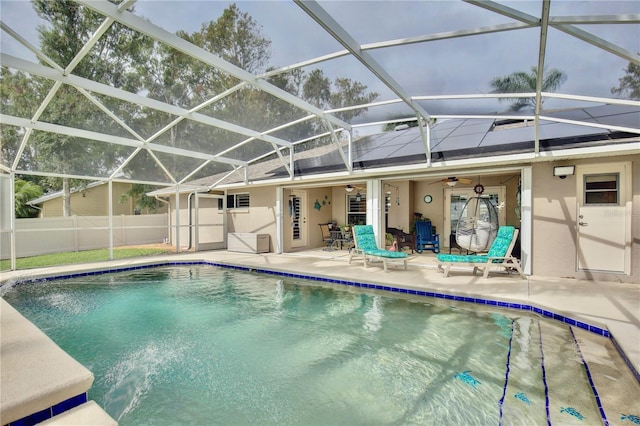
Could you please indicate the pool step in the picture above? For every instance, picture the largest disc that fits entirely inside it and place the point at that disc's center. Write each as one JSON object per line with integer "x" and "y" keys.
{"x": 88, "y": 413}
{"x": 524, "y": 402}
{"x": 618, "y": 393}
{"x": 563, "y": 366}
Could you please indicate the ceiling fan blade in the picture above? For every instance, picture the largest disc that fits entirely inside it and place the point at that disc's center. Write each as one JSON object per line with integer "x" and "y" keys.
{"x": 452, "y": 180}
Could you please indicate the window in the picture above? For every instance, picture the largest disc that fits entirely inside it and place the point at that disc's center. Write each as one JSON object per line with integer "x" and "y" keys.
{"x": 236, "y": 201}
{"x": 601, "y": 189}
{"x": 356, "y": 209}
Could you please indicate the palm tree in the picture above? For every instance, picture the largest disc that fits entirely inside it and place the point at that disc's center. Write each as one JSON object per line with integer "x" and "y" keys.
{"x": 24, "y": 192}
{"x": 629, "y": 83}
{"x": 522, "y": 82}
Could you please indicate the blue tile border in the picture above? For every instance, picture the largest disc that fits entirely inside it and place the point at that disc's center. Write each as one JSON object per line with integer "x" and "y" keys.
{"x": 47, "y": 413}
{"x": 497, "y": 303}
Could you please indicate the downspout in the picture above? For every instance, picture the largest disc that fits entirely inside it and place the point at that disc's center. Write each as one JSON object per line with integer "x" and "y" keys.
{"x": 110, "y": 218}
{"x": 189, "y": 207}
{"x": 12, "y": 218}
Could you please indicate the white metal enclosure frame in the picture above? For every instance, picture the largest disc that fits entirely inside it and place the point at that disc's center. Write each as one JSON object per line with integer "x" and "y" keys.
{"x": 505, "y": 18}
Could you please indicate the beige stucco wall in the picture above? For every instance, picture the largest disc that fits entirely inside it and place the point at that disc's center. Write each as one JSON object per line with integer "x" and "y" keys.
{"x": 260, "y": 218}
{"x": 554, "y": 211}
{"x": 94, "y": 202}
{"x": 400, "y": 216}
{"x": 315, "y": 217}
{"x": 433, "y": 210}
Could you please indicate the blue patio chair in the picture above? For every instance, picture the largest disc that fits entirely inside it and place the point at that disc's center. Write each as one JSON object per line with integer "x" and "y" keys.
{"x": 499, "y": 255}
{"x": 426, "y": 239}
{"x": 365, "y": 245}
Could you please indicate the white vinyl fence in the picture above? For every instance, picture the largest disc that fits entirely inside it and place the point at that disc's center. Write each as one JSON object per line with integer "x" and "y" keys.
{"x": 74, "y": 233}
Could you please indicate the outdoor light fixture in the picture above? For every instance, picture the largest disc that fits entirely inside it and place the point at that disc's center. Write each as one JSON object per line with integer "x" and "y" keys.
{"x": 358, "y": 197}
{"x": 452, "y": 182}
{"x": 564, "y": 171}
{"x": 349, "y": 188}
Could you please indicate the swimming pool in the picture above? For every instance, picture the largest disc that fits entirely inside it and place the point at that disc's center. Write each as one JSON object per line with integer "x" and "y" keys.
{"x": 205, "y": 345}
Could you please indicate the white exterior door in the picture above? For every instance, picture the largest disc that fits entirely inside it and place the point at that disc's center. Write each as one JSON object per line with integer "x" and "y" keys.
{"x": 604, "y": 218}
{"x": 297, "y": 211}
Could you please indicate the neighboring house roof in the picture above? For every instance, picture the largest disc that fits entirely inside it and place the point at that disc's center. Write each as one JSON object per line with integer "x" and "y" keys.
{"x": 58, "y": 194}
{"x": 454, "y": 139}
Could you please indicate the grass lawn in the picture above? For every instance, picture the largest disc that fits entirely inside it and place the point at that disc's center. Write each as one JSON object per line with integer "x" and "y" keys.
{"x": 86, "y": 256}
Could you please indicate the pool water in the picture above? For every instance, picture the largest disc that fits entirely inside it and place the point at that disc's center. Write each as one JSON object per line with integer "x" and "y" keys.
{"x": 205, "y": 345}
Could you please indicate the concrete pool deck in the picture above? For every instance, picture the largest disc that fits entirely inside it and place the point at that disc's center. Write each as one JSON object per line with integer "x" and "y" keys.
{"x": 611, "y": 306}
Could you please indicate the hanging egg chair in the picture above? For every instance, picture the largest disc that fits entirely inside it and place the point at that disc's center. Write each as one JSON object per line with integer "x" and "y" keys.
{"x": 478, "y": 223}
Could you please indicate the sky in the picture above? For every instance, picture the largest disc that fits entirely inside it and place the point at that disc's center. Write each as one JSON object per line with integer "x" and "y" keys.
{"x": 449, "y": 67}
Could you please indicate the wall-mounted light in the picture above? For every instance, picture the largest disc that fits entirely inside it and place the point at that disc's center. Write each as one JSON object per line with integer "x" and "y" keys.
{"x": 564, "y": 171}
{"x": 358, "y": 197}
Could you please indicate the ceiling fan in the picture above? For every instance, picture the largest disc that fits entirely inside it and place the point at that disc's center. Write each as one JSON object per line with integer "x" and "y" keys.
{"x": 452, "y": 181}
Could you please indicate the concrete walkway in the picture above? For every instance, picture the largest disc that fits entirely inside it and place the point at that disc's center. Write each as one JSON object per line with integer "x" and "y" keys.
{"x": 614, "y": 306}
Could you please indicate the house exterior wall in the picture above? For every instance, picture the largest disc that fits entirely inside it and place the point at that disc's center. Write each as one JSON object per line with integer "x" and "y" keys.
{"x": 317, "y": 216}
{"x": 434, "y": 210}
{"x": 339, "y": 205}
{"x": 555, "y": 210}
{"x": 259, "y": 218}
{"x": 399, "y": 216}
{"x": 554, "y": 235}
{"x": 94, "y": 202}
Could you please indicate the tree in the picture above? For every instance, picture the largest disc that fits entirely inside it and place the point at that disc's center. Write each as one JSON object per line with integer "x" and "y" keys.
{"x": 109, "y": 61}
{"x": 125, "y": 59}
{"x": 522, "y": 82}
{"x": 138, "y": 192}
{"x": 24, "y": 192}
{"x": 236, "y": 37}
{"x": 629, "y": 83}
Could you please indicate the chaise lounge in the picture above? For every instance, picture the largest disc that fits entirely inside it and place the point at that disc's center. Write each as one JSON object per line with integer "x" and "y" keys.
{"x": 499, "y": 255}
{"x": 366, "y": 246}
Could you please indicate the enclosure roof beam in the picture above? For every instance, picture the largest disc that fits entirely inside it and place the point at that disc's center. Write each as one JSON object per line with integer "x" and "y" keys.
{"x": 560, "y": 25}
{"x": 326, "y": 21}
{"x": 145, "y": 27}
{"x": 101, "y": 137}
{"x": 73, "y": 80}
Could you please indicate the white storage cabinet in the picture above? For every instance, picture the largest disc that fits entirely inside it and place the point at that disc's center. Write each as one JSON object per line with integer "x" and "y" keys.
{"x": 246, "y": 242}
